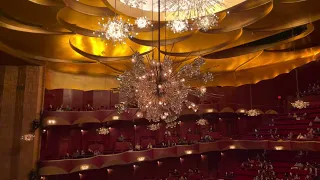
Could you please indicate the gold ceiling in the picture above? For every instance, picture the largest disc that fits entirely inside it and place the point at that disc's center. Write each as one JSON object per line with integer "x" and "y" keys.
{"x": 255, "y": 40}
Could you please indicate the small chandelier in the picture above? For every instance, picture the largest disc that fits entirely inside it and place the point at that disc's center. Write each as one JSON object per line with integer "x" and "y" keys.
{"x": 202, "y": 122}
{"x": 178, "y": 26}
{"x": 142, "y": 22}
{"x": 160, "y": 91}
{"x": 116, "y": 30}
{"x": 253, "y": 112}
{"x": 154, "y": 127}
{"x": 299, "y": 104}
{"x": 206, "y": 22}
{"x": 28, "y": 137}
{"x": 103, "y": 131}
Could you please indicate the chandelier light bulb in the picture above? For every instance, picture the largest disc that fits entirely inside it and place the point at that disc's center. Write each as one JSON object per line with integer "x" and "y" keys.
{"x": 206, "y": 22}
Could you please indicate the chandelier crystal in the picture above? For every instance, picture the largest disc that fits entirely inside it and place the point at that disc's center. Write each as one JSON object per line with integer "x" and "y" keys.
{"x": 253, "y": 112}
{"x": 206, "y": 22}
{"x": 159, "y": 90}
{"x": 299, "y": 104}
{"x": 178, "y": 26}
{"x": 115, "y": 29}
{"x": 202, "y": 122}
{"x": 28, "y": 137}
{"x": 103, "y": 131}
{"x": 154, "y": 127}
{"x": 142, "y": 22}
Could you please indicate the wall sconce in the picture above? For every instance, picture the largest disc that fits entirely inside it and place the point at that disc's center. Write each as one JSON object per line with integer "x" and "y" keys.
{"x": 115, "y": 117}
{"x": 44, "y": 130}
{"x": 82, "y": 130}
{"x": 141, "y": 158}
{"x": 84, "y": 167}
{"x": 209, "y": 110}
{"x": 278, "y": 148}
{"x": 232, "y": 147}
{"x": 188, "y": 151}
{"x": 222, "y": 154}
{"x": 51, "y": 122}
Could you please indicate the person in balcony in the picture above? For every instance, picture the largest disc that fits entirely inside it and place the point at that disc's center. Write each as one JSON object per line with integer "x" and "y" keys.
{"x": 82, "y": 153}
{"x": 316, "y": 119}
{"x": 290, "y": 135}
{"x": 310, "y": 134}
{"x": 60, "y": 108}
{"x": 310, "y": 124}
{"x": 68, "y": 108}
{"x": 167, "y": 133}
{"x": 294, "y": 115}
{"x": 67, "y": 156}
{"x": 121, "y": 138}
{"x": 149, "y": 146}
{"x": 50, "y": 108}
{"x": 189, "y": 131}
{"x": 76, "y": 154}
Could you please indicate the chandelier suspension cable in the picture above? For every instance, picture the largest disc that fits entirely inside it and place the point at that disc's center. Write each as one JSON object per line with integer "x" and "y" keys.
{"x": 297, "y": 83}
{"x": 159, "y": 32}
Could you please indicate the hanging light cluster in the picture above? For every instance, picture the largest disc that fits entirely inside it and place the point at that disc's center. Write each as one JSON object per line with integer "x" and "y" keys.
{"x": 159, "y": 90}
{"x": 142, "y": 22}
{"x": 28, "y": 137}
{"x": 253, "y": 112}
{"x": 154, "y": 127}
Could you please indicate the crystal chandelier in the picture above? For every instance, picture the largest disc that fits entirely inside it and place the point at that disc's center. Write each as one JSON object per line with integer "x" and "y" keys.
{"x": 178, "y": 26}
{"x": 202, "y": 122}
{"x": 299, "y": 104}
{"x": 253, "y": 112}
{"x": 159, "y": 90}
{"x": 206, "y": 22}
{"x": 28, "y": 137}
{"x": 116, "y": 29}
{"x": 142, "y": 22}
{"x": 154, "y": 127}
{"x": 103, "y": 131}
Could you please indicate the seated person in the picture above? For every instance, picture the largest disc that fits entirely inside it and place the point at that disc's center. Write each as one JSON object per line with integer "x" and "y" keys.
{"x": 82, "y": 153}
{"x": 317, "y": 119}
{"x": 163, "y": 144}
{"x": 299, "y": 136}
{"x": 60, "y": 108}
{"x": 121, "y": 138}
{"x": 76, "y": 154}
{"x": 310, "y": 134}
{"x": 189, "y": 131}
{"x": 290, "y": 135}
{"x": 149, "y": 146}
{"x": 50, "y": 108}
{"x": 310, "y": 124}
{"x": 211, "y": 129}
{"x": 294, "y": 115}
{"x": 207, "y": 138}
{"x": 297, "y": 166}
{"x": 130, "y": 146}
{"x": 90, "y": 152}
{"x": 167, "y": 133}
{"x": 138, "y": 147}
{"x": 67, "y": 156}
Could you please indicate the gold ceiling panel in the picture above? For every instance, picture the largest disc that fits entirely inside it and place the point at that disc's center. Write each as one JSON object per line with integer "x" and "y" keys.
{"x": 207, "y": 43}
{"x": 57, "y": 46}
{"x": 288, "y": 15}
{"x": 240, "y": 19}
{"x": 48, "y": 2}
{"x": 88, "y": 9}
{"x": 30, "y": 13}
{"x": 240, "y": 50}
{"x": 96, "y": 3}
{"x": 249, "y": 4}
{"x": 104, "y": 49}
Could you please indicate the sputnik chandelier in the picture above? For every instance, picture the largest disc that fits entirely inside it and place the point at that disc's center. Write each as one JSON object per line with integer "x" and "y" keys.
{"x": 160, "y": 90}
{"x": 28, "y": 137}
{"x": 253, "y": 112}
{"x": 142, "y": 22}
{"x": 154, "y": 127}
{"x": 103, "y": 131}
{"x": 115, "y": 30}
{"x": 200, "y": 12}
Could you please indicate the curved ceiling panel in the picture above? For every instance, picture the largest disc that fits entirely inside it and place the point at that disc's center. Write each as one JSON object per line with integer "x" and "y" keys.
{"x": 237, "y": 20}
{"x": 262, "y": 44}
{"x": 48, "y": 2}
{"x": 249, "y": 4}
{"x": 29, "y": 12}
{"x": 88, "y": 9}
{"x": 288, "y": 15}
{"x": 57, "y": 46}
{"x": 209, "y": 43}
{"x": 101, "y": 50}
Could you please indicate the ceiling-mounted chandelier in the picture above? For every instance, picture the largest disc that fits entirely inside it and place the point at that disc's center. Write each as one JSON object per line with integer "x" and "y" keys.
{"x": 206, "y": 22}
{"x": 299, "y": 104}
{"x": 178, "y": 26}
{"x": 142, "y": 22}
{"x": 134, "y": 3}
{"x": 115, "y": 29}
{"x": 159, "y": 89}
